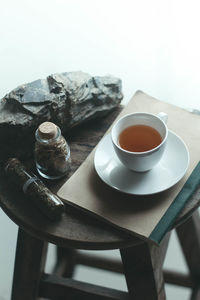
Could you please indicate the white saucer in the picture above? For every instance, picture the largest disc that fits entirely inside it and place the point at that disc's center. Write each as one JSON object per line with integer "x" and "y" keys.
{"x": 164, "y": 175}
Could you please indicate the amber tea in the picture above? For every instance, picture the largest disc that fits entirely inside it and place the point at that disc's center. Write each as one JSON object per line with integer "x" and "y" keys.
{"x": 139, "y": 138}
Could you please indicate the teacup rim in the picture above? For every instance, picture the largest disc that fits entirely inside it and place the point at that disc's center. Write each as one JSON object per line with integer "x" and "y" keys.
{"x": 143, "y": 152}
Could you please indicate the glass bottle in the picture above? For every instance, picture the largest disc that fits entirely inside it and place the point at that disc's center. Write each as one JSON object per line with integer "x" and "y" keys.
{"x": 52, "y": 153}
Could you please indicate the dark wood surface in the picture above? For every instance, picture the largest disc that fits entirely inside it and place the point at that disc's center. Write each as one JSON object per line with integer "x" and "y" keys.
{"x": 75, "y": 228}
{"x": 59, "y": 288}
{"x": 195, "y": 294}
{"x": 142, "y": 266}
{"x": 189, "y": 238}
{"x": 29, "y": 266}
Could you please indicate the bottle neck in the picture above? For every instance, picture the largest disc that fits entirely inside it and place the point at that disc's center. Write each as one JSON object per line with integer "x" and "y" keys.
{"x": 48, "y": 141}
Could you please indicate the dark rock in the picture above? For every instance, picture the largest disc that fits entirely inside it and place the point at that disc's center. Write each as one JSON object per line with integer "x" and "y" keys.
{"x": 67, "y": 99}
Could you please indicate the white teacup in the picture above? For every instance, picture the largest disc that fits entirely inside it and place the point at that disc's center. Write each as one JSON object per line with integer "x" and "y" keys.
{"x": 140, "y": 161}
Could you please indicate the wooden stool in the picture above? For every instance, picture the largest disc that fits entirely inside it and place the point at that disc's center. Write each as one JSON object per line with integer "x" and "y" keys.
{"x": 141, "y": 262}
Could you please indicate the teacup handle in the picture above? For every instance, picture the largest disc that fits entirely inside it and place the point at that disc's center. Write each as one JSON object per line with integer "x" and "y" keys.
{"x": 163, "y": 116}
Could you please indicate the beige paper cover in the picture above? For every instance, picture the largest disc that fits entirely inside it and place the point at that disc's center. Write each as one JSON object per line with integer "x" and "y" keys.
{"x": 141, "y": 214}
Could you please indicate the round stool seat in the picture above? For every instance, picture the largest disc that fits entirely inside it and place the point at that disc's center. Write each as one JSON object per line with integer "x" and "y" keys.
{"x": 74, "y": 229}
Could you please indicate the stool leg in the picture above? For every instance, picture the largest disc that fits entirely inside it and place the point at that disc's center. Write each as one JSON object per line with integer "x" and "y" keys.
{"x": 65, "y": 264}
{"x": 189, "y": 237}
{"x": 29, "y": 263}
{"x": 143, "y": 270}
{"x": 195, "y": 294}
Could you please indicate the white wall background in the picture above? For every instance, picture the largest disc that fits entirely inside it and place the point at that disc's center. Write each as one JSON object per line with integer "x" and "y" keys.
{"x": 151, "y": 45}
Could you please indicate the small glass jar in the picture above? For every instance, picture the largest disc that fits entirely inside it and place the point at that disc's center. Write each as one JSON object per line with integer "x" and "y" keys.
{"x": 52, "y": 153}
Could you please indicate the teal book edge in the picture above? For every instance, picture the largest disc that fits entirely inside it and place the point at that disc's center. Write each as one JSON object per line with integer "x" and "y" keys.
{"x": 166, "y": 222}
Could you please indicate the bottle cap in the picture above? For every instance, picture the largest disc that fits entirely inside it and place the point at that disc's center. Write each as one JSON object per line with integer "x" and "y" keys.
{"x": 47, "y": 130}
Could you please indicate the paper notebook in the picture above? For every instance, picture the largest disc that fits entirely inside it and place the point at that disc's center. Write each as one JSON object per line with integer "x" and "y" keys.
{"x": 148, "y": 217}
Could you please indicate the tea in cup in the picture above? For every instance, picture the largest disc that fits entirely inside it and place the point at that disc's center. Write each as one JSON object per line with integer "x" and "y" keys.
{"x": 139, "y": 140}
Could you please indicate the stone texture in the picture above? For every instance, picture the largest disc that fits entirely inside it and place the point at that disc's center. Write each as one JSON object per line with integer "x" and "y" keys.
{"x": 67, "y": 99}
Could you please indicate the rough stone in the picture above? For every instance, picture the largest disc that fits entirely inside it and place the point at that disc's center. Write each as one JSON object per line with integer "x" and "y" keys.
{"x": 67, "y": 99}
